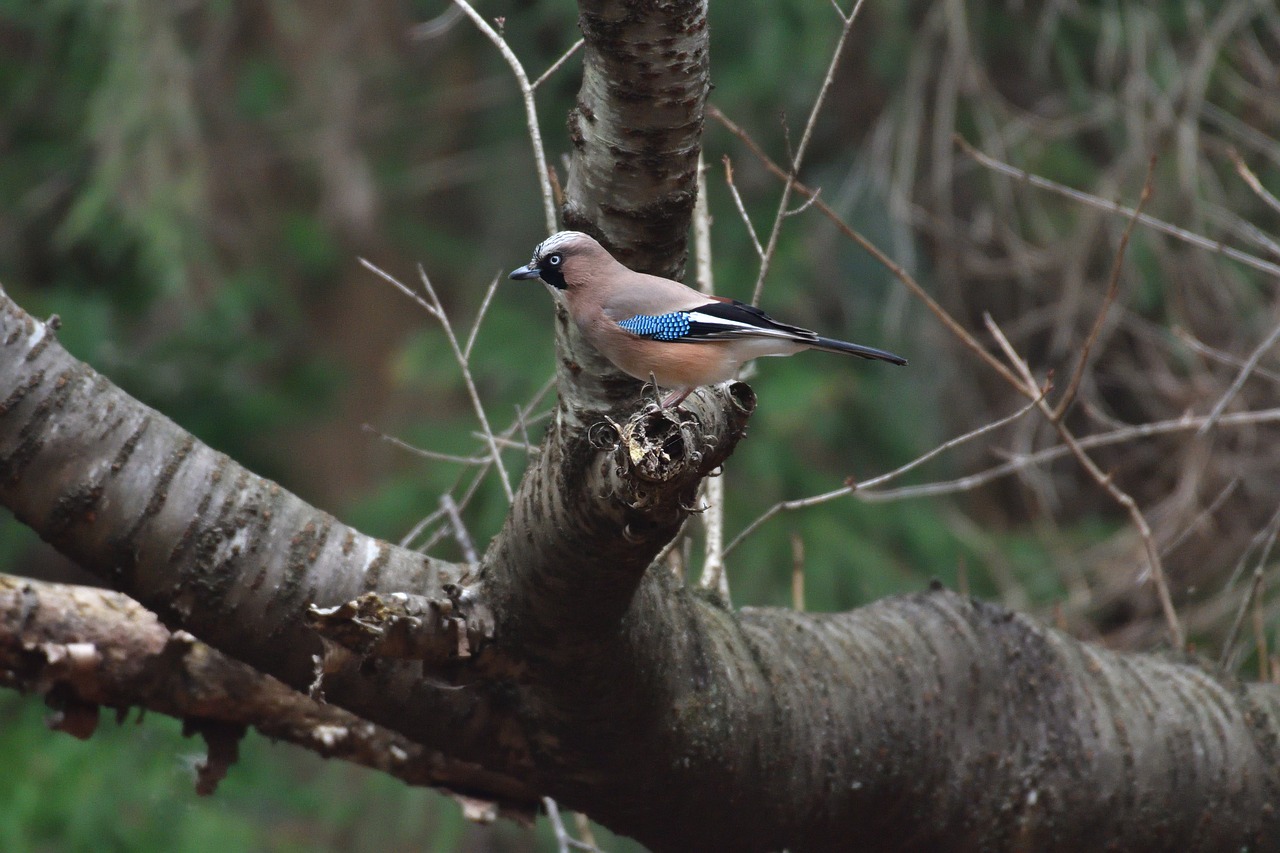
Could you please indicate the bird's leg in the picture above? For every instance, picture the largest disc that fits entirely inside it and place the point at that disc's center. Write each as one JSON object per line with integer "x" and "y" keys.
{"x": 675, "y": 398}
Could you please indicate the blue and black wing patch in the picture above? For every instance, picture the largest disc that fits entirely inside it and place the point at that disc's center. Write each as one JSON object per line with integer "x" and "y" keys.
{"x": 714, "y": 321}
{"x": 659, "y": 327}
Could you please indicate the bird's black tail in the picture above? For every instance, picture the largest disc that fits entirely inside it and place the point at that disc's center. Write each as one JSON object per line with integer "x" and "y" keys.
{"x": 832, "y": 345}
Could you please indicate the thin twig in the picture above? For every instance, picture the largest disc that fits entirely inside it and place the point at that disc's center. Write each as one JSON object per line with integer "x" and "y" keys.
{"x": 564, "y": 841}
{"x": 459, "y": 529}
{"x": 400, "y": 286}
{"x": 1218, "y": 355}
{"x": 1113, "y": 288}
{"x": 555, "y": 66}
{"x": 804, "y": 205}
{"x": 477, "y": 478}
{"x": 1019, "y": 463}
{"x": 1252, "y": 180}
{"x": 1266, "y": 538}
{"x": 1154, "y": 564}
{"x": 530, "y": 108}
{"x": 851, "y": 488}
{"x": 952, "y": 325}
{"x": 1250, "y": 363}
{"x": 1227, "y": 657}
{"x": 798, "y": 158}
{"x": 742, "y": 210}
{"x": 484, "y": 306}
{"x": 437, "y": 26}
{"x": 436, "y": 309}
{"x": 714, "y": 575}
{"x": 1205, "y": 514}
{"x": 1112, "y": 207}
{"x": 425, "y": 454}
{"x": 470, "y": 384}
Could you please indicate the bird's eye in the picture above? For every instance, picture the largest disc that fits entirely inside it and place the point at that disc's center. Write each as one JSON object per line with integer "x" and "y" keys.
{"x": 554, "y": 260}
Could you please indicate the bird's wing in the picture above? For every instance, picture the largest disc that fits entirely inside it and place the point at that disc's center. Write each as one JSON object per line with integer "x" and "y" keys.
{"x": 718, "y": 320}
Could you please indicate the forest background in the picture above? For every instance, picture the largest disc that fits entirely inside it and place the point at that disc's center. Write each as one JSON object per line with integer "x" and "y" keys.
{"x": 190, "y": 187}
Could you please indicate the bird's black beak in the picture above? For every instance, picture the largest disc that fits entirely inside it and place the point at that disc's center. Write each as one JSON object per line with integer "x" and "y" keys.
{"x": 525, "y": 272}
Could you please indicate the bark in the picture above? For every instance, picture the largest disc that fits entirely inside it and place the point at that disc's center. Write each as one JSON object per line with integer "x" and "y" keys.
{"x": 637, "y": 128}
{"x": 121, "y": 656}
{"x": 927, "y": 722}
{"x": 567, "y": 665}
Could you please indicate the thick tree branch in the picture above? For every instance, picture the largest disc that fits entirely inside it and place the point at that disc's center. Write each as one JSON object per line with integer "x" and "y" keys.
{"x": 204, "y": 543}
{"x": 924, "y": 723}
{"x": 82, "y": 648}
{"x": 929, "y": 722}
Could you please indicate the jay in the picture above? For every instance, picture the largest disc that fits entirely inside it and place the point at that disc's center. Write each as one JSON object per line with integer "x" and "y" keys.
{"x": 655, "y": 328}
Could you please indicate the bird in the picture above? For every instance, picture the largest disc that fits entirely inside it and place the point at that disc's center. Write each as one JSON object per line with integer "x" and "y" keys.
{"x": 659, "y": 330}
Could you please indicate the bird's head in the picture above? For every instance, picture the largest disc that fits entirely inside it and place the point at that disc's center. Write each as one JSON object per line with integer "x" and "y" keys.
{"x": 564, "y": 260}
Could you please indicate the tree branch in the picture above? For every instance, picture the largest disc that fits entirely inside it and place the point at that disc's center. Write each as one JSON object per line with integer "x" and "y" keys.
{"x": 85, "y": 647}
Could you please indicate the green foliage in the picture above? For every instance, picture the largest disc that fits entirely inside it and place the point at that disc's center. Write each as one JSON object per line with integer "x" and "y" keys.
{"x": 174, "y": 183}
{"x": 131, "y": 787}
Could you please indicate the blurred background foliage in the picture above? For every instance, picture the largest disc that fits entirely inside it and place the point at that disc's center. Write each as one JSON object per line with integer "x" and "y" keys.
{"x": 190, "y": 185}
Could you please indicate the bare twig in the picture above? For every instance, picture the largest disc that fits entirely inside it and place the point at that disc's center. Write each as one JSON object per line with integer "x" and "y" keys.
{"x": 484, "y": 307}
{"x": 1112, "y": 207}
{"x": 1250, "y": 363}
{"x": 477, "y": 476}
{"x": 425, "y": 454}
{"x": 851, "y": 488}
{"x": 1252, "y": 180}
{"x": 798, "y": 158}
{"x": 530, "y": 108}
{"x": 555, "y": 66}
{"x": 436, "y": 309}
{"x": 467, "y": 379}
{"x": 1119, "y": 436}
{"x": 742, "y": 210}
{"x": 1154, "y": 564}
{"x": 1227, "y": 657}
{"x": 437, "y": 26}
{"x": 459, "y": 529}
{"x": 564, "y": 841}
{"x": 714, "y": 576}
{"x": 1113, "y": 288}
{"x": 952, "y": 325}
{"x": 1219, "y": 356}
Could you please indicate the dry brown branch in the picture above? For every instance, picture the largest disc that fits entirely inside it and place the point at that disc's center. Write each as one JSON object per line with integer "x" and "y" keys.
{"x": 798, "y": 158}
{"x": 433, "y": 306}
{"x": 1022, "y": 461}
{"x": 1113, "y": 288}
{"x": 742, "y": 209}
{"x": 1112, "y": 207}
{"x": 1154, "y": 563}
{"x": 530, "y": 108}
{"x": 93, "y": 647}
{"x": 952, "y": 325}
{"x": 859, "y": 488}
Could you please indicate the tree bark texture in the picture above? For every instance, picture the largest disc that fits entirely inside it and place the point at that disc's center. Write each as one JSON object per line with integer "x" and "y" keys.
{"x": 121, "y": 656}
{"x": 637, "y": 128}
{"x": 565, "y": 664}
{"x": 921, "y": 723}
